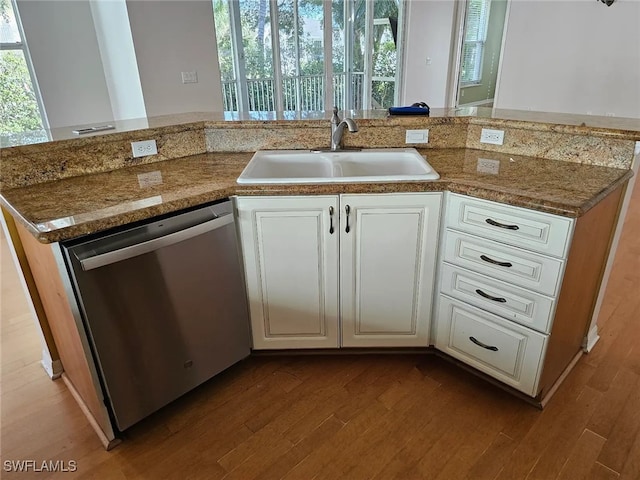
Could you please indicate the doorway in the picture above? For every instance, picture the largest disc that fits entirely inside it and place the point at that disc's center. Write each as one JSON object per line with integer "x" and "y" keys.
{"x": 481, "y": 25}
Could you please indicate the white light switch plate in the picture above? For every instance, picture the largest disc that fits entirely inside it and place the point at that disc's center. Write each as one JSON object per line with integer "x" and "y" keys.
{"x": 417, "y": 136}
{"x": 189, "y": 77}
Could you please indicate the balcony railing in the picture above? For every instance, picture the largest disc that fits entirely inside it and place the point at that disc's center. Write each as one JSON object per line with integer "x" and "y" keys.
{"x": 311, "y": 88}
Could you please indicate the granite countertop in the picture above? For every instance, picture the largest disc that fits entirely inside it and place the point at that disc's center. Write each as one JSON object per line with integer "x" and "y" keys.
{"x": 68, "y": 208}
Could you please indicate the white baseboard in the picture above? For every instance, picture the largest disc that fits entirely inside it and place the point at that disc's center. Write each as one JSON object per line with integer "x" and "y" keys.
{"x": 591, "y": 339}
{"x": 52, "y": 367}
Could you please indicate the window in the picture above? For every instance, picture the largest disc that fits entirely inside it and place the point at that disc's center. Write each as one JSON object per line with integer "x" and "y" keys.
{"x": 307, "y": 55}
{"x": 475, "y": 36}
{"x": 21, "y": 113}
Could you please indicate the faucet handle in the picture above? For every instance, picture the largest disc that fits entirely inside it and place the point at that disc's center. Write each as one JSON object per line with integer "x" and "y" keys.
{"x": 335, "y": 118}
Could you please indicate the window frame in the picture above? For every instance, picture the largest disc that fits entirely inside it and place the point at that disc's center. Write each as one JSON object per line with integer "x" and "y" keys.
{"x": 479, "y": 42}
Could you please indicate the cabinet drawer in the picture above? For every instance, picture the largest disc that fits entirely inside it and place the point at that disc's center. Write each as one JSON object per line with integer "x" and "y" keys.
{"x": 513, "y": 303}
{"x": 508, "y": 264}
{"x": 504, "y": 350}
{"x": 537, "y": 231}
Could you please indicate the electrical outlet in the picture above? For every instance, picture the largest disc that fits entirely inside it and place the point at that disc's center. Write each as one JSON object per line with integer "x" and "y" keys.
{"x": 495, "y": 137}
{"x": 144, "y": 148}
{"x": 486, "y": 165}
{"x": 417, "y": 136}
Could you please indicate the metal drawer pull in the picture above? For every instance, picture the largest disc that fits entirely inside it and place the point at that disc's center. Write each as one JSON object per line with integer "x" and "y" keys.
{"x": 480, "y": 344}
{"x": 489, "y": 297}
{"x": 347, "y": 210}
{"x": 331, "y": 220}
{"x": 502, "y": 225}
{"x": 495, "y": 262}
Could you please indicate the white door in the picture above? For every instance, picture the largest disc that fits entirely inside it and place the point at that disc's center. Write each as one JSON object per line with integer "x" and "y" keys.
{"x": 291, "y": 265}
{"x": 388, "y": 247}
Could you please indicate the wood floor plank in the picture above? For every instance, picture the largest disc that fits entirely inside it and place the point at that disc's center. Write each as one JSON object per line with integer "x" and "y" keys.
{"x": 612, "y": 402}
{"x": 321, "y": 435}
{"x": 631, "y": 469}
{"x": 490, "y": 462}
{"x": 615, "y": 452}
{"x": 583, "y": 456}
{"x": 545, "y": 431}
{"x": 316, "y": 464}
{"x": 379, "y": 444}
{"x": 600, "y": 472}
{"x": 569, "y": 431}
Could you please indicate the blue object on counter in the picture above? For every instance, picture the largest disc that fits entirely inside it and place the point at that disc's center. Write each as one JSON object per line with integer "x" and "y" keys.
{"x": 419, "y": 108}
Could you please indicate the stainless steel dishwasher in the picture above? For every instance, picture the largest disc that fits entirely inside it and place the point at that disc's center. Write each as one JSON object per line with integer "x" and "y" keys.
{"x": 164, "y": 307}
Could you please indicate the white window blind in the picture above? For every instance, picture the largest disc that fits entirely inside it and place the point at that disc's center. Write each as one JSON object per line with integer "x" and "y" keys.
{"x": 475, "y": 36}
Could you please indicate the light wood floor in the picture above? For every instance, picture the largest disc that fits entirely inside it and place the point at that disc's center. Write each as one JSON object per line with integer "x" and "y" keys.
{"x": 351, "y": 417}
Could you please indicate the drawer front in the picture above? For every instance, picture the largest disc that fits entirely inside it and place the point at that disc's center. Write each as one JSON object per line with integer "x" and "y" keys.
{"x": 505, "y": 263}
{"x": 537, "y": 231}
{"x": 513, "y": 303}
{"x": 504, "y": 350}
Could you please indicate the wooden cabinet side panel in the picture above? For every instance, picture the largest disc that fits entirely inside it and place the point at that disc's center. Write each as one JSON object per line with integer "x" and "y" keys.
{"x": 63, "y": 326}
{"x": 579, "y": 291}
{"x": 14, "y": 238}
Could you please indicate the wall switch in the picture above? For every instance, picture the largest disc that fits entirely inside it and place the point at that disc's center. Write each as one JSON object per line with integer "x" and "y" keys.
{"x": 144, "y": 148}
{"x": 417, "y": 136}
{"x": 486, "y": 165}
{"x": 495, "y": 137}
{"x": 190, "y": 77}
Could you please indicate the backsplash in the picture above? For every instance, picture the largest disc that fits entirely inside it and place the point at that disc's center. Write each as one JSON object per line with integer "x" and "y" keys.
{"x": 38, "y": 163}
{"x": 554, "y": 145}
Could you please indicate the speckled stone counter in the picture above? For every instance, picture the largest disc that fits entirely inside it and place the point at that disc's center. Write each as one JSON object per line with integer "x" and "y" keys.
{"x": 71, "y": 207}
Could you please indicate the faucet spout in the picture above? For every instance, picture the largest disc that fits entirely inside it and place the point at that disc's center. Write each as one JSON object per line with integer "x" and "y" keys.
{"x": 338, "y": 132}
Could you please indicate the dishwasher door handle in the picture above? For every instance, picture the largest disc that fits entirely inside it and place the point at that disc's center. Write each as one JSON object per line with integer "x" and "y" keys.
{"x": 108, "y": 258}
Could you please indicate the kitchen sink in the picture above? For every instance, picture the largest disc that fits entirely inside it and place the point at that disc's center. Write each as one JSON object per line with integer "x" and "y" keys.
{"x": 311, "y": 166}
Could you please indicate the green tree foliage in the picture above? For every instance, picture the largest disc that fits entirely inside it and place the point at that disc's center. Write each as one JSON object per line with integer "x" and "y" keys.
{"x": 19, "y": 108}
{"x": 258, "y": 54}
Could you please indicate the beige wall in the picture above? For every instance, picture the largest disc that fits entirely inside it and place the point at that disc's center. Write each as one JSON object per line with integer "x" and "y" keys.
{"x": 66, "y": 58}
{"x": 572, "y": 56}
{"x": 430, "y": 28}
{"x": 170, "y": 37}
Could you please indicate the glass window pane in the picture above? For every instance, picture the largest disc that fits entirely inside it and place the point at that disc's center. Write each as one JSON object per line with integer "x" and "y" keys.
{"x": 225, "y": 54}
{"x": 9, "y": 32}
{"x": 338, "y": 33}
{"x": 256, "y": 37}
{"x": 19, "y": 110}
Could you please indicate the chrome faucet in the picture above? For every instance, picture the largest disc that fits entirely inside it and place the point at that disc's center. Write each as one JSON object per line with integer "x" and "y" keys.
{"x": 337, "y": 129}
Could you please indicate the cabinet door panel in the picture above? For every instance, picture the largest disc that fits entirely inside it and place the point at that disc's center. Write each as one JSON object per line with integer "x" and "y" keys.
{"x": 291, "y": 269}
{"x": 387, "y": 267}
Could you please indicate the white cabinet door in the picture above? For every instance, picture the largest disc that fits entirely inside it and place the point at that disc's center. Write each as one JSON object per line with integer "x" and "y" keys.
{"x": 291, "y": 265}
{"x": 388, "y": 249}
